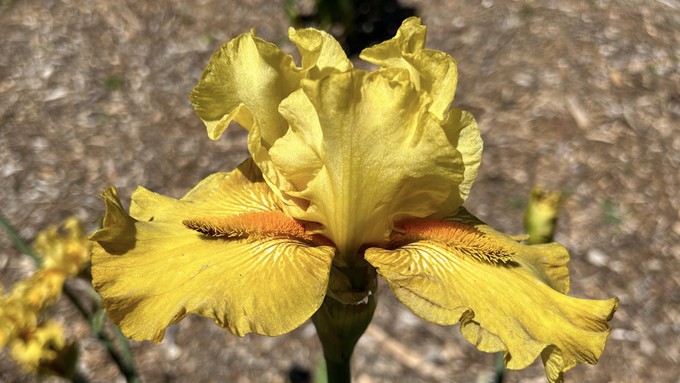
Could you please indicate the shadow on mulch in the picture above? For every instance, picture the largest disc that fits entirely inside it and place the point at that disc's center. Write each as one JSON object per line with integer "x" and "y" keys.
{"x": 357, "y": 24}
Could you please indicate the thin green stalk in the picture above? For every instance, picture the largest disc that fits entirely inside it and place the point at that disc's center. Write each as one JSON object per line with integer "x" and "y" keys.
{"x": 500, "y": 369}
{"x": 123, "y": 358}
{"x": 320, "y": 375}
{"x": 18, "y": 241}
{"x": 131, "y": 373}
{"x": 122, "y": 361}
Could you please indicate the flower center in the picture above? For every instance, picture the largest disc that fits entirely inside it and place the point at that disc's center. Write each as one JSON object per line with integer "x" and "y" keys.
{"x": 460, "y": 238}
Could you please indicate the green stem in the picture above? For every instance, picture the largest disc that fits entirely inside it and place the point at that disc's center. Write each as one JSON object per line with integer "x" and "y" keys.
{"x": 123, "y": 360}
{"x": 131, "y": 372}
{"x": 500, "y": 368}
{"x": 18, "y": 241}
{"x": 339, "y": 327}
{"x": 338, "y": 371}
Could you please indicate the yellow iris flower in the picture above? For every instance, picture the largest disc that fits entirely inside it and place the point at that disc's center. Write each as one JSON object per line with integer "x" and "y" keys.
{"x": 353, "y": 174}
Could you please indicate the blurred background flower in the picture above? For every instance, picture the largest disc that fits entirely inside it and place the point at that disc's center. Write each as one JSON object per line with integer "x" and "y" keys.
{"x": 36, "y": 342}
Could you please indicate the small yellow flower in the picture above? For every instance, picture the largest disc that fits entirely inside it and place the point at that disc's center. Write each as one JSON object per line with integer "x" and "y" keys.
{"x": 14, "y": 315}
{"x": 35, "y": 348}
{"x": 39, "y": 291}
{"x": 31, "y": 343}
{"x": 353, "y": 175}
{"x": 68, "y": 252}
{"x": 540, "y": 216}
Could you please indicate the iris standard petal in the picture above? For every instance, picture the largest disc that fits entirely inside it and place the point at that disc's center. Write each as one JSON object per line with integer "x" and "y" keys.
{"x": 463, "y": 133}
{"x": 153, "y": 273}
{"x": 247, "y": 79}
{"x": 514, "y": 303}
{"x": 320, "y": 53}
{"x": 436, "y": 73}
{"x": 362, "y": 151}
{"x": 432, "y": 71}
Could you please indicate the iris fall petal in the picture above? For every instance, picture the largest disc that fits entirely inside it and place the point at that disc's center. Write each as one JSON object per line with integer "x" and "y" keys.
{"x": 153, "y": 272}
{"x": 516, "y": 306}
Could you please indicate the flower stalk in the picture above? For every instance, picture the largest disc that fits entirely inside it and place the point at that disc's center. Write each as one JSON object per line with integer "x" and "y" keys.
{"x": 18, "y": 241}
{"x": 343, "y": 317}
{"x": 339, "y": 327}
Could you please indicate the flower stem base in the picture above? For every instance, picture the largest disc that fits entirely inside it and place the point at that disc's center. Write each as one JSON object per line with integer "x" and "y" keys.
{"x": 339, "y": 327}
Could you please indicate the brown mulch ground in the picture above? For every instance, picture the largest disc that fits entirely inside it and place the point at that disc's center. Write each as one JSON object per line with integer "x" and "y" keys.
{"x": 581, "y": 96}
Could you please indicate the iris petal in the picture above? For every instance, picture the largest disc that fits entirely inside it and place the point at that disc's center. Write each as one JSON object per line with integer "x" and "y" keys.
{"x": 362, "y": 150}
{"x": 432, "y": 71}
{"x": 153, "y": 273}
{"x": 247, "y": 79}
{"x": 226, "y": 193}
{"x": 517, "y": 307}
{"x": 314, "y": 129}
{"x": 463, "y": 134}
{"x": 436, "y": 73}
{"x": 321, "y": 54}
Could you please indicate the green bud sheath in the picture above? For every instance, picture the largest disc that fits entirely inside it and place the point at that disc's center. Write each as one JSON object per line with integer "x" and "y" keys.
{"x": 340, "y": 325}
